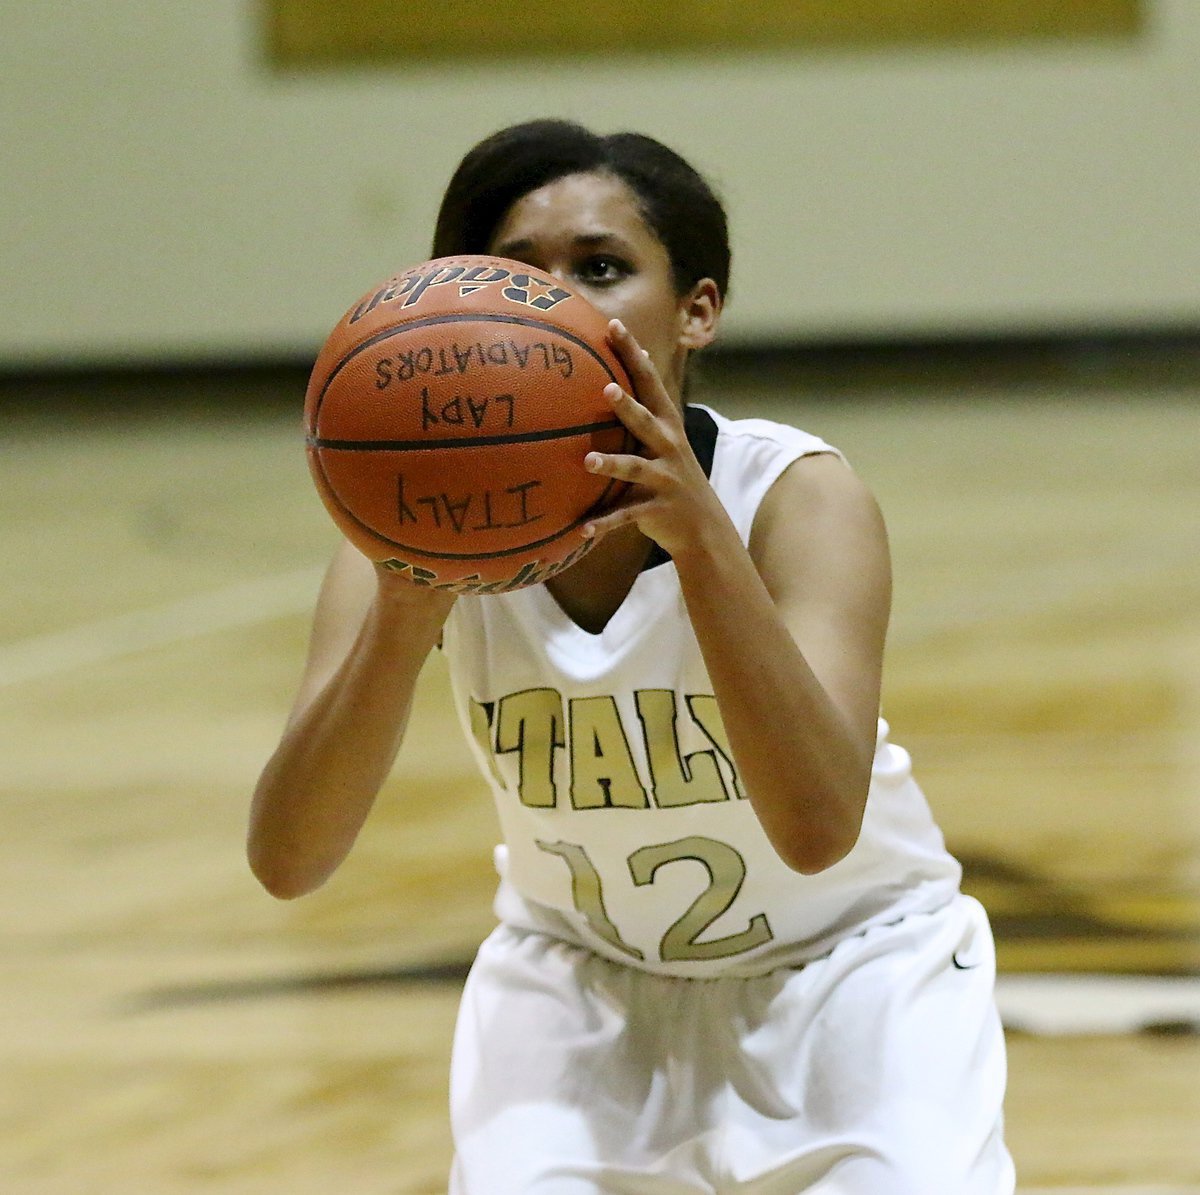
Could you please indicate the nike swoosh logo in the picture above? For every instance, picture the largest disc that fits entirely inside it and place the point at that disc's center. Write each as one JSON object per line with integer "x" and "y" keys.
{"x": 962, "y": 966}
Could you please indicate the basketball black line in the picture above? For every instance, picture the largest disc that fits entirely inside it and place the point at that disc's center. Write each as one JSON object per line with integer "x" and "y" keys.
{"x": 430, "y": 321}
{"x": 315, "y": 457}
{"x": 549, "y": 433}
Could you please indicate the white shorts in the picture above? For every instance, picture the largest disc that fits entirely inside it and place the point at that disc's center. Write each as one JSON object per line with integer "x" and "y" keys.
{"x": 877, "y": 1070}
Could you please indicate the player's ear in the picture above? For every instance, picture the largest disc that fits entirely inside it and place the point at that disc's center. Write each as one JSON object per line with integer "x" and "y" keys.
{"x": 699, "y": 314}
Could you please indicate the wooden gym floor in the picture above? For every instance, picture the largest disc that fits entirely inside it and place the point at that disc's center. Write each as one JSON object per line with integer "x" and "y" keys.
{"x": 169, "y": 1029}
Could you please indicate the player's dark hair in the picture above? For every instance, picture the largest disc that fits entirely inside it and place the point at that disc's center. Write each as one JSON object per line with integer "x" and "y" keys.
{"x": 676, "y": 202}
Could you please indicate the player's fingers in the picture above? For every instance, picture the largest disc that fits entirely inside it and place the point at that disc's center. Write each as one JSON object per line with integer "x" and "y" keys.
{"x": 647, "y": 384}
{"x": 643, "y": 425}
{"x": 621, "y": 467}
{"x": 618, "y": 516}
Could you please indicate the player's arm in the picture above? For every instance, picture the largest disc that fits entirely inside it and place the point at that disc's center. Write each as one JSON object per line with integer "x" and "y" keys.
{"x": 371, "y": 634}
{"x": 792, "y": 636}
{"x": 820, "y": 549}
{"x": 791, "y": 632}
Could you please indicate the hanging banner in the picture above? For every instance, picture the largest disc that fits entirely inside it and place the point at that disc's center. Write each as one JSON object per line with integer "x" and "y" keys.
{"x": 322, "y": 33}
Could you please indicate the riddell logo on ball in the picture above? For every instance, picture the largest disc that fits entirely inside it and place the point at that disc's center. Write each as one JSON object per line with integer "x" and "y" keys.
{"x": 523, "y": 289}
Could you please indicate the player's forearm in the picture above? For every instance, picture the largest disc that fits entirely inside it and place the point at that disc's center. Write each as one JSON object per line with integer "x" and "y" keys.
{"x": 318, "y": 788}
{"x": 804, "y": 768}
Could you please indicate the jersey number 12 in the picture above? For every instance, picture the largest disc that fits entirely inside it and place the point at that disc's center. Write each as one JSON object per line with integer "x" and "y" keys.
{"x": 682, "y": 941}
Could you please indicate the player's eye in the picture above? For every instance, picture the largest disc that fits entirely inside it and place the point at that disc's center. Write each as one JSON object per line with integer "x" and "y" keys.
{"x": 603, "y": 269}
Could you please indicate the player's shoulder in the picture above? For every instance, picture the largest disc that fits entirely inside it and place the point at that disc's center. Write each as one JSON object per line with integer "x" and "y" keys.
{"x": 793, "y": 470}
{"x": 818, "y": 506}
{"x": 747, "y": 432}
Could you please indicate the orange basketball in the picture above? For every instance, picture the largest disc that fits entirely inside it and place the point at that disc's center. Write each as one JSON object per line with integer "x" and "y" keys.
{"x": 447, "y": 418}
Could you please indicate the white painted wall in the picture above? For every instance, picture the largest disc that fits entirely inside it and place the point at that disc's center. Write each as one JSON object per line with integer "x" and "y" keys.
{"x": 163, "y": 194}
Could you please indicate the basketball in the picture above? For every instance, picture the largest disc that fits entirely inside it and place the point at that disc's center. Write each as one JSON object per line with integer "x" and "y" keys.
{"x": 447, "y": 418}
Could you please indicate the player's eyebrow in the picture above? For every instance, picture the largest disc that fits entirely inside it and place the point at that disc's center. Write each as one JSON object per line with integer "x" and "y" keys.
{"x": 584, "y": 240}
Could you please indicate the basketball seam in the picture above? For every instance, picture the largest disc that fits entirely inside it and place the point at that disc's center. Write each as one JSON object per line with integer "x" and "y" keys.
{"x": 550, "y": 433}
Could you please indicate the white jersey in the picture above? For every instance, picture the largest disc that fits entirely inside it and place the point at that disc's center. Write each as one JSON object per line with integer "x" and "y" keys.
{"x": 626, "y": 827}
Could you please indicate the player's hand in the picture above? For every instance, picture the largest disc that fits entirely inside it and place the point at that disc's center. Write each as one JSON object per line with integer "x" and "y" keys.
{"x": 670, "y": 498}
{"x": 397, "y": 587}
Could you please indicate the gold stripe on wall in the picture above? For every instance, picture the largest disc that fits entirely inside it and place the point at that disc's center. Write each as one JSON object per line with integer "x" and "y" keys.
{"x": 308, "y": 33}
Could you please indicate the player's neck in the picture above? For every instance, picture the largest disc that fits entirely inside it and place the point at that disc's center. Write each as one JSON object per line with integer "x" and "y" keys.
{"x": 591, "y": 591}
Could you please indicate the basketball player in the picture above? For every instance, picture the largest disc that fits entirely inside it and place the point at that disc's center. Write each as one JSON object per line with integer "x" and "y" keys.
{"x": 732, "y": 952}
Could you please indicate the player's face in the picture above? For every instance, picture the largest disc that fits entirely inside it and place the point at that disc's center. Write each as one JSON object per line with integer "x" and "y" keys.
{"x": 587, "y": 229}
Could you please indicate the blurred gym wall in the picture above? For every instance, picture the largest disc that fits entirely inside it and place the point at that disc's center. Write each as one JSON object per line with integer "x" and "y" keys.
{"x": 169, "y": 195}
